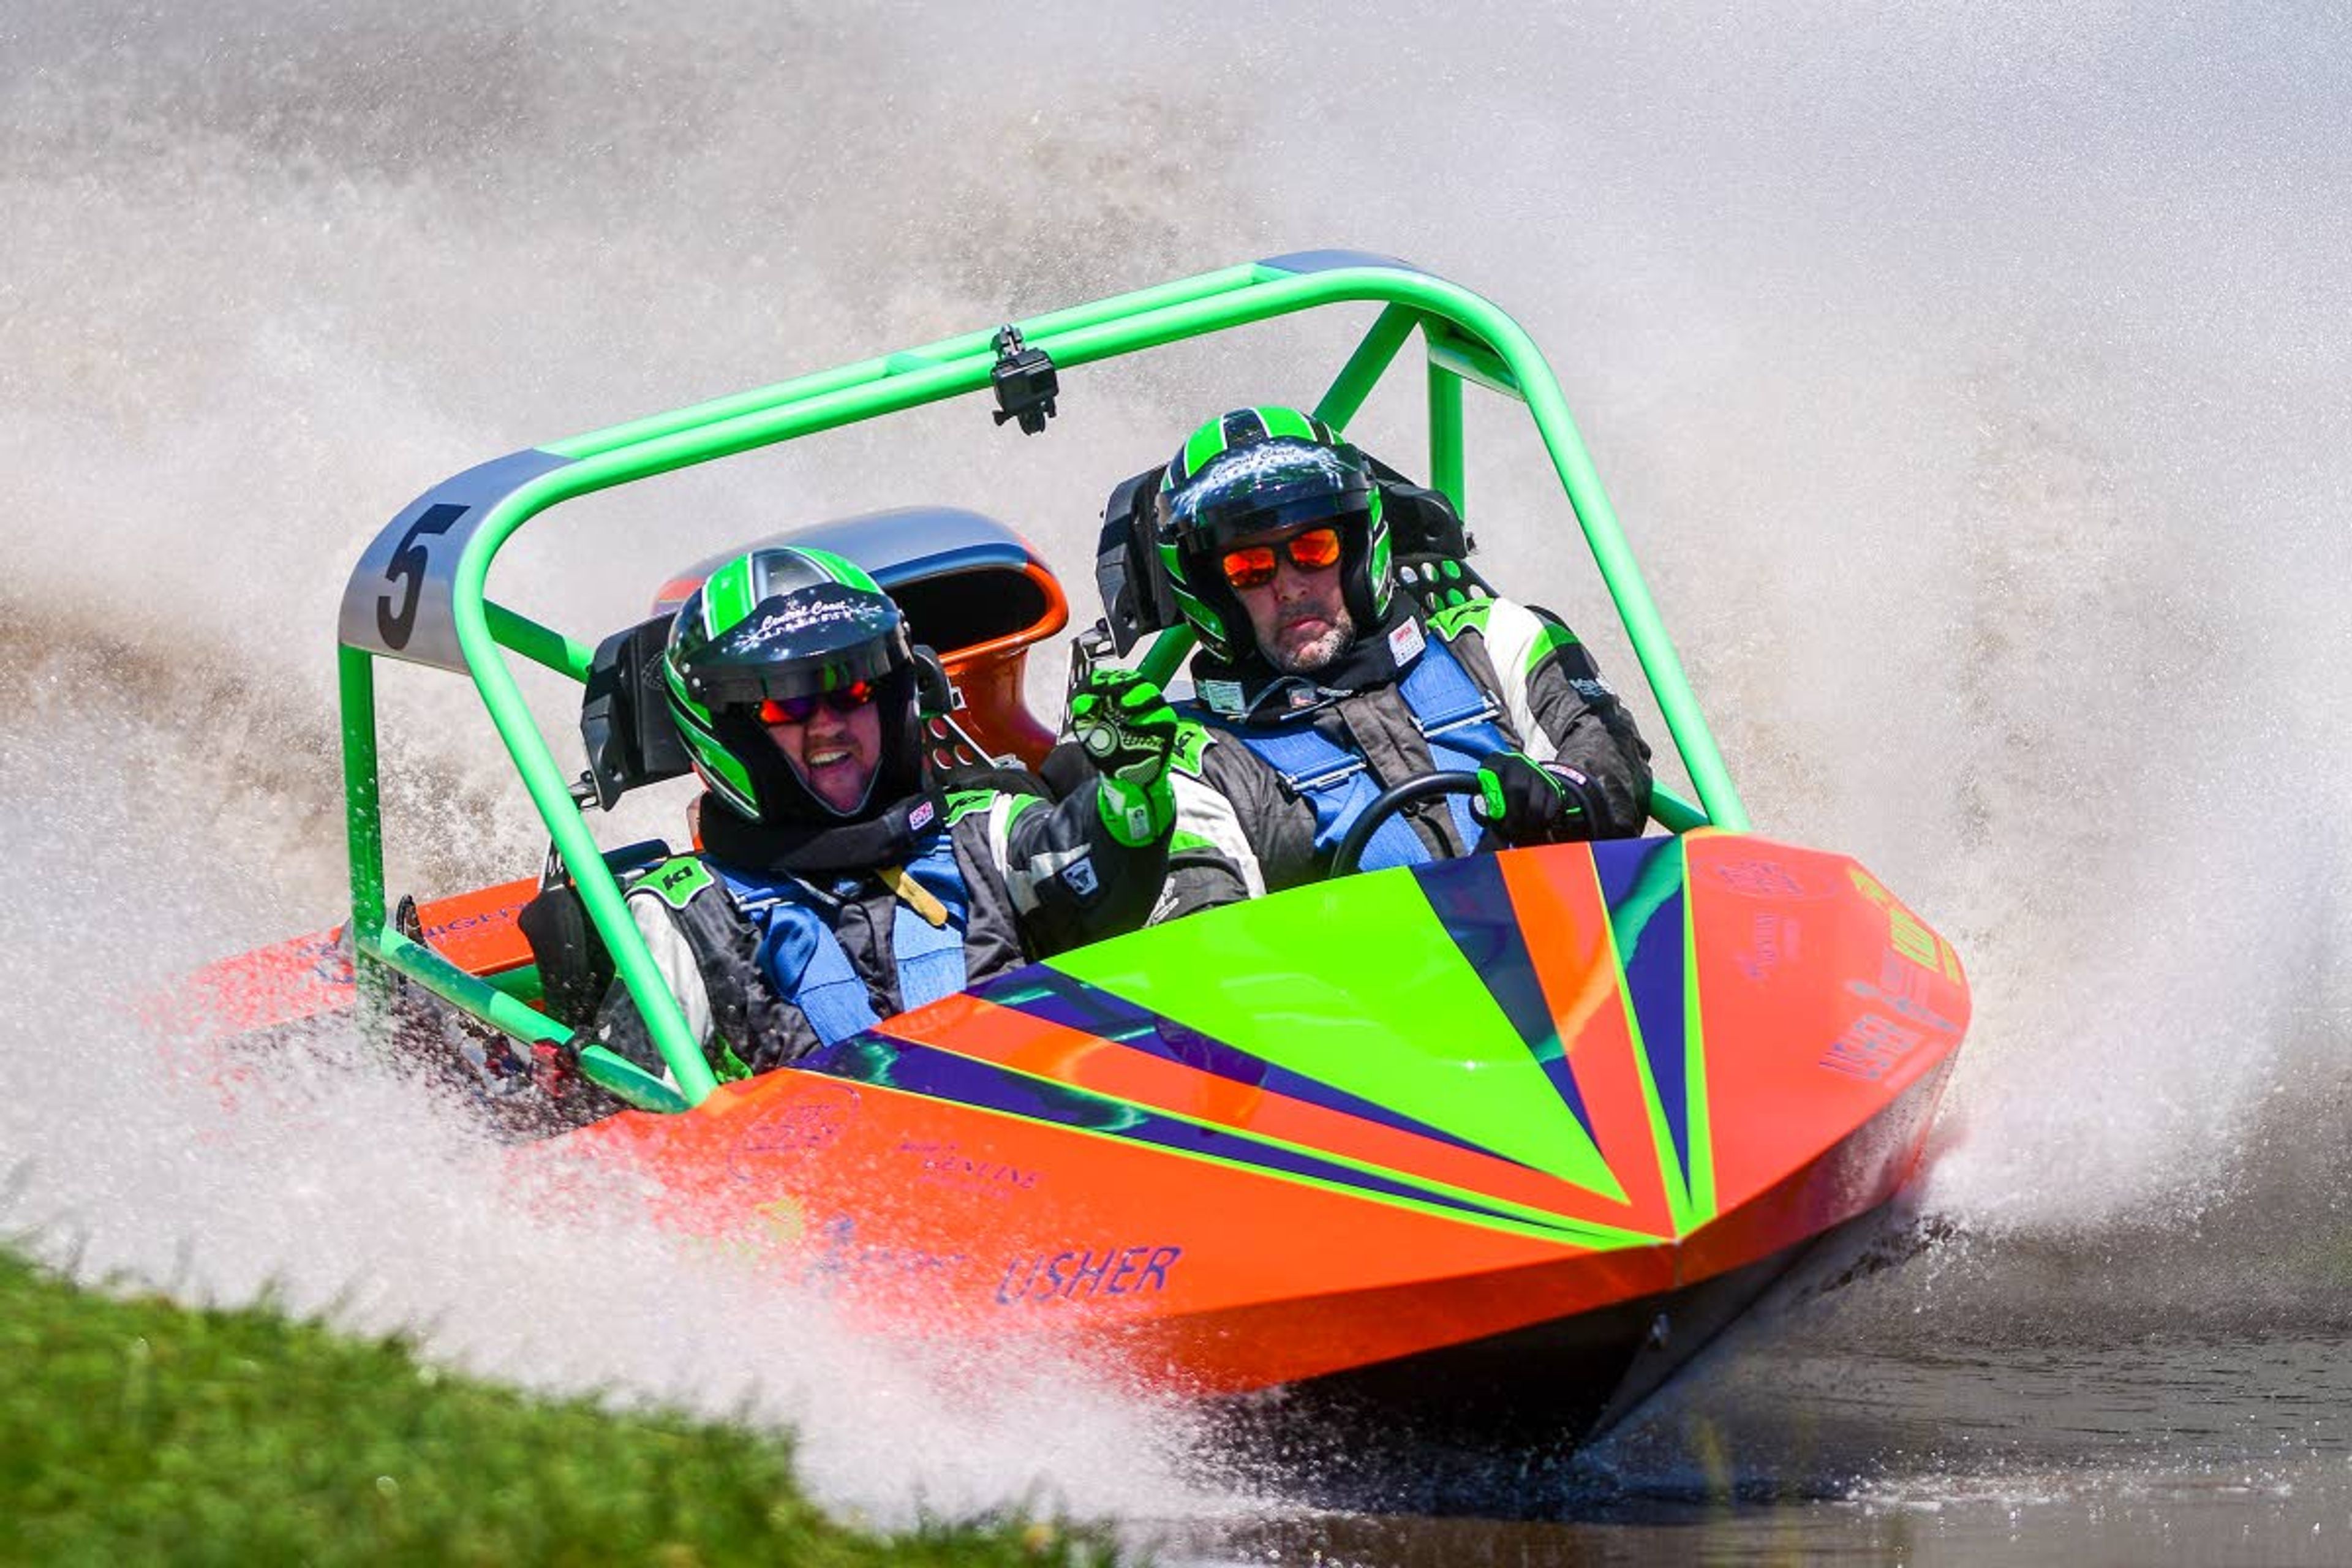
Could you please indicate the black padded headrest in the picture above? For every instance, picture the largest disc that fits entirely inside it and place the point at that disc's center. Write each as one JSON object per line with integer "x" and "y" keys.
{"x": 1421, "y": 521}
{"x": 1137, "y": 600}
{"x": 625, "y": 719}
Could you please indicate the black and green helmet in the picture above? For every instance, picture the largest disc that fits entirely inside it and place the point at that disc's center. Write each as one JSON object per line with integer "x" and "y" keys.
{"x": 778, "y": 624}
{"x": 1255, "y": 470}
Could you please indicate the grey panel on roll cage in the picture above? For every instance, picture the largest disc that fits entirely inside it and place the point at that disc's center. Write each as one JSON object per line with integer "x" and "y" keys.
{"x": 1332, "y": 261}
{"x": 398, "y": 600}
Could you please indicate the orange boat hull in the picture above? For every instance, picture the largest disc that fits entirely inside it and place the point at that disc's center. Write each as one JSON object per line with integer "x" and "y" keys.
{"x": 1737, "y": 1046}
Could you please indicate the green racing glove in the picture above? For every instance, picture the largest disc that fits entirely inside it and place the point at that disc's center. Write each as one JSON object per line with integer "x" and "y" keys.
{"x": 1128, "y": 731}
{"x": 1527, "y": 802}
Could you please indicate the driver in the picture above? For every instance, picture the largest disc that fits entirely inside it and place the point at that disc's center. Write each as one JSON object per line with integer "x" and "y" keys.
{"x": 839, "y": 881}
{"x": 1319, "y": 686}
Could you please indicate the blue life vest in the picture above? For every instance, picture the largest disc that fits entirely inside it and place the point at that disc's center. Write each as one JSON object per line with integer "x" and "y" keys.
{"x": 1454, "y": 717}
{"x": 805, "y": 961}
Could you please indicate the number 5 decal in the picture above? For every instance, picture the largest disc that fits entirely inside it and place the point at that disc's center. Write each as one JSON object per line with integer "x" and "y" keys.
{"x": 408, "y": 563}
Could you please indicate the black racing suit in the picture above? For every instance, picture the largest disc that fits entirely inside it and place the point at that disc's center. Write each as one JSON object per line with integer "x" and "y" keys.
{"x": 1241, "y": 831}
{"x": 1036, "y": 879}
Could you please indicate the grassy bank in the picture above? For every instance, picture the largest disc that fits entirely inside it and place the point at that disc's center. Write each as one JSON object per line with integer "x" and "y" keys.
{"x": 136, "y": 1431}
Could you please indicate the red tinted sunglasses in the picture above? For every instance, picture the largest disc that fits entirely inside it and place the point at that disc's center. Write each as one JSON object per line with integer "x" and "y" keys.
{"x": 1251, "y": 565}
{"x": 801, "y": 710}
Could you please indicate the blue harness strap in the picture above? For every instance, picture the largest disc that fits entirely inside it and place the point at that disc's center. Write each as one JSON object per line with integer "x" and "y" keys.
{"x": 809, "y": 968}
{"x": 806, "y": 964}
{"x": 1456, "y": 717}
{"x": 930, "y": 958}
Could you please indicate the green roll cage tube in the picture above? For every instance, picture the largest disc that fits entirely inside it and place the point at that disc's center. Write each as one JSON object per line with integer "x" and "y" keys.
{"x": 417, "y": 593}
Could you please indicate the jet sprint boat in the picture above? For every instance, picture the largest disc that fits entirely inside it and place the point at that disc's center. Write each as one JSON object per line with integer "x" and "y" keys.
{"x": 1498, "y": 1141}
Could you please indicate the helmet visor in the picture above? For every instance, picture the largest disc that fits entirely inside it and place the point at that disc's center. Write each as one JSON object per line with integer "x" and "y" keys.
{"x": 1262, "y": 488}
{"x": 802, "y": 645}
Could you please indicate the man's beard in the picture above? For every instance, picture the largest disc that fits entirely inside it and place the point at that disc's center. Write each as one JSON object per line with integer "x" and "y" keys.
{"x": 1320, "y": 653}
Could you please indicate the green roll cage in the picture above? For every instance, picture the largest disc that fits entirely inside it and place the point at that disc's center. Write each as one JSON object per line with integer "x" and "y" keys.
{"x": 417, "y": 593}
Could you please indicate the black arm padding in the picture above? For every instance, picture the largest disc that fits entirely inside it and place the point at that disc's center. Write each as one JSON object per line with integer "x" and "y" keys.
{"x": 574, "y": 968}
{"x": 1067, "y": 771}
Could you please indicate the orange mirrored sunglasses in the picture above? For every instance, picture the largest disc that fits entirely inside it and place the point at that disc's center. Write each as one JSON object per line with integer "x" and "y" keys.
{"x": 801, "y": 710}
{"x": 1251, "y": 565}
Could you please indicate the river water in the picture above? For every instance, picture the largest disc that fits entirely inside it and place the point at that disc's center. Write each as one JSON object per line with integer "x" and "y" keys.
{"x": 1976, "y": 389}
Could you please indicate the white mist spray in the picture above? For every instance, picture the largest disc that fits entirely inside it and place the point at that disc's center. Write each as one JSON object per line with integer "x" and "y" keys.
{"x": 1974, "y": 391}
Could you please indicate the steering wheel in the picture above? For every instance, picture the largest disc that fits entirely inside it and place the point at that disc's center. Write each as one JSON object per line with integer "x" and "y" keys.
{"x": 1387, "y": 804}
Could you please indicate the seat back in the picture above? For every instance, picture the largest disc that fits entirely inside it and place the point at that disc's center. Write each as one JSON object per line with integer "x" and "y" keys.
{"x": 1428, "y": 543}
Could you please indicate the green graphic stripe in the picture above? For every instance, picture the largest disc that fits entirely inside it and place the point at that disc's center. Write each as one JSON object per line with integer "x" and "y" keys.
{"x": 1377, "y": 566}
{"x": 962, "y": 803}
{"x": 726, "y": 597}
{"x": 1206, "y": 443}
{"x": 681, "y": 698}
{"x": 1624, "y": 930}
{"x": 730, "y": 777}
{"x": 675, "y": 880}
{"x": 1395, "y": 1015}
{"x": 1702, "y": 1145}
{"x": 1195, "y": 610}
{"x": 1451, "y": 622}
{"x": 1285, "y": 422}
{"x": 1551, "y": 641}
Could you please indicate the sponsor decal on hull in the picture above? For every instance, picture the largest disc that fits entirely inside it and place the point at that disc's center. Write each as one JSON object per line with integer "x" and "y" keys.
{"x": 893, "y": 1270}
{"x": 946, "y": 1164}
{"x": 810, "y": 1119}
{"x": 1772, "y": 939}
{"x": 1772, "y": 880}
{"x": 1081, "y": 1272}
{"x": 503, "y": 915}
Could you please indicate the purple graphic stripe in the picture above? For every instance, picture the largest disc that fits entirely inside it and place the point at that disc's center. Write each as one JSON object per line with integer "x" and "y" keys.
{"x": 1641, "y": 879}
{"x": 877, "y": 1058}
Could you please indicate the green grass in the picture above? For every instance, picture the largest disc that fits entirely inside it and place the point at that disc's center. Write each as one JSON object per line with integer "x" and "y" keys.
{"x": 139, "y": 1431}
